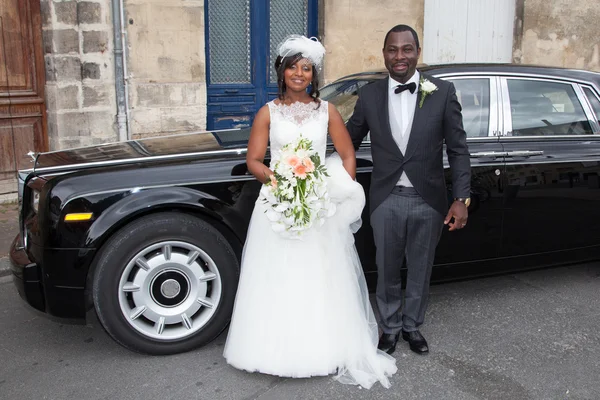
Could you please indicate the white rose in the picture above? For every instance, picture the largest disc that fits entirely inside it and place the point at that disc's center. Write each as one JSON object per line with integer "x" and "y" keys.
{"x": 428, "y": 86}
{"x": 281, "y": 207}
{"x": 316, "y": 208}
{"x": 267, "y": 194}
{"x": 288, "y": 220}
{"x": 302, "y": 154}
{"x": 279, "y": 168}
{"x": 288, "y": 174}
{"x": 273, "y": 215}
{"x": 284, "y": 154}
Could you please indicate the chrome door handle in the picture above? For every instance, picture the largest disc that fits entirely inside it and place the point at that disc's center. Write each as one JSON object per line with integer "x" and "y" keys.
{"x": 524, "y": 153}
{"x": 493, "y": 154}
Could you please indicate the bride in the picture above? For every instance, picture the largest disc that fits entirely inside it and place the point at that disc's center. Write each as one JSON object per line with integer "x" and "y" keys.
{"x": 302, "y": 307}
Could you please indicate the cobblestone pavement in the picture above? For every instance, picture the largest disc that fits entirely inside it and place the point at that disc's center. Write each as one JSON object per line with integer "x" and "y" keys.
{"x": 522, "y": 336}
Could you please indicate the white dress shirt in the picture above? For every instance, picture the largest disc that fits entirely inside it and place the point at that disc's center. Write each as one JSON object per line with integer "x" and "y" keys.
{"x": 401, "y": 108}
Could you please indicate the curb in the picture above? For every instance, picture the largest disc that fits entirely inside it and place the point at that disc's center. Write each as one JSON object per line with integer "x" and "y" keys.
{"x": 4, "y": 266}
{"x": 10, "y": 198}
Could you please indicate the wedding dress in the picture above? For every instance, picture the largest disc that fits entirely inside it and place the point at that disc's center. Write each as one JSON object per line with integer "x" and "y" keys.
{"x": 302, "y": 307}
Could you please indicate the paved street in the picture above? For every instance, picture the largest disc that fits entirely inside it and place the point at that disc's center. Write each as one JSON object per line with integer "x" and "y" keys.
{"x": 525, "y": 336}
{"x": 9, "y": 227}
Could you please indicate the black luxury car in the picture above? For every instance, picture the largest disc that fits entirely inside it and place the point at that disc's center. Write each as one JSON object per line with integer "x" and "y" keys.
{"x": 148, "y": 234}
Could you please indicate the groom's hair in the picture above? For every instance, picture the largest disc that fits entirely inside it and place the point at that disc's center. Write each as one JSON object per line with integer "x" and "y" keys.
{"x": 403, "y": 28}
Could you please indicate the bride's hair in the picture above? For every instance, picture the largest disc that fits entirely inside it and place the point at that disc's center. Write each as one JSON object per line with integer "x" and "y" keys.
{"x": 283, "y": 63}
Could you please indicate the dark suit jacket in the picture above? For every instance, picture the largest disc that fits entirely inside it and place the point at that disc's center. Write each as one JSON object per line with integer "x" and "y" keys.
{"x": 438, "y": 121}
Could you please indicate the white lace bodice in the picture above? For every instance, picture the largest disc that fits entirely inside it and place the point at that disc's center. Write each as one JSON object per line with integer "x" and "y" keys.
{"x": 307, "y": 119}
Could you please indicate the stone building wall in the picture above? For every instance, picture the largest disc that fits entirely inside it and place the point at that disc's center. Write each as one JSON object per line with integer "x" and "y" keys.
{"x": 78, "y": 54}
{"x": 559, "y": 33}
{"x": 166, "y": 64}
{"x": 165, "y": 56}
{"x": 354, "y": 31}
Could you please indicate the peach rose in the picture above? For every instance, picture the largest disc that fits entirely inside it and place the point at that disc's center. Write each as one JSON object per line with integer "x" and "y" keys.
{"x": 300, "y": 171}
{"x": 273, "y": 181}
{"x": 310, "y": 166}
{"x": 292, "y": 161}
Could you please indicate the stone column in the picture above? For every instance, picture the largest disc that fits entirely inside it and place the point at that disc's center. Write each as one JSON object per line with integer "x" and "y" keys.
{"x": 166, "y": 63}
{"x": 558, "y": 33}
{"x": 354, "y": 31}
{"x": 80, "y": 93}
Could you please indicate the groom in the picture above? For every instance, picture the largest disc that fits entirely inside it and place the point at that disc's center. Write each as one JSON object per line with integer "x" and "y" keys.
{"x": 410, "y": 116}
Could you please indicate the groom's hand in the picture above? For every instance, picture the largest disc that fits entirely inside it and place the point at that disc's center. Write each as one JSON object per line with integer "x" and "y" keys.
{"x": 458, "y": 211}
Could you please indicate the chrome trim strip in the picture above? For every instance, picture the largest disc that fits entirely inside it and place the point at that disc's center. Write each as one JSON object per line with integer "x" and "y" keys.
{"x": 145, "y": 139}
{"x": 506, "y": 111}
{"x": 140, "y": 159}
{"x": 595, "y": 118}
{"x": 140, "y": 188}
{"x": 586, "y": 107}
{"x": 499, "y": 112}
{"x": 21, "y": 177}
{"x": 482, "y": 139}
{"x": 525, "y": 153}
{"x": 494, "y": 121}
{"x": 516, "y": 75}
{"x": 484, "y": 154}
{"x": 550, "y": 137}
{"x": 510, "y": 161}
{"x": 593, "y": 91}
{"x": 469, "y": 139}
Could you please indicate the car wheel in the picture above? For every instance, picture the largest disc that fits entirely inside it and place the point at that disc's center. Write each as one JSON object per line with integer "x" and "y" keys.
{"x": 165, "y": 284}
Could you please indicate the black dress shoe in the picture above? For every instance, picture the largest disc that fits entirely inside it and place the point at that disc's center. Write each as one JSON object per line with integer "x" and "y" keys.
{"x": 387, "y": 342}
{"x": 417, "y": 342}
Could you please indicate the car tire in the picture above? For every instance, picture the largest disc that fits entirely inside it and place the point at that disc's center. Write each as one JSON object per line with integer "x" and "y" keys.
{"x": 165, "y": 284}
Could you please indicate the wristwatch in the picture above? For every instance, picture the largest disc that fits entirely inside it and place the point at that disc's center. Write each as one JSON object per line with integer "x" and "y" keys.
{"x": 466, "y": 200}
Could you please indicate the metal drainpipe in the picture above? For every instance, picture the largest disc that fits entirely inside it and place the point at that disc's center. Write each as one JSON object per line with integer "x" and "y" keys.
{"x": 117, "y": 19}
{"x": 125, "y": 40}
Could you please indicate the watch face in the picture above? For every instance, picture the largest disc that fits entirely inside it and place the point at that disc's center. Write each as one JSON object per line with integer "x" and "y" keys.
{"x": 466, "y": 200}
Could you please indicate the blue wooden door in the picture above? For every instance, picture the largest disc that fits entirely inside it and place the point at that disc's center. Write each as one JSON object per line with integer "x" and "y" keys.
{"x": 241, "y": 44}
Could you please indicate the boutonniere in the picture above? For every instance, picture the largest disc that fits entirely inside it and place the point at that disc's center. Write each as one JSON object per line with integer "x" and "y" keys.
{"x": 426, "y": 87}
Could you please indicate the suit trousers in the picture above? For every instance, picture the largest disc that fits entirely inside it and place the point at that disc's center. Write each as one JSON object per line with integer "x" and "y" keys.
{"x": 405, "y": 228}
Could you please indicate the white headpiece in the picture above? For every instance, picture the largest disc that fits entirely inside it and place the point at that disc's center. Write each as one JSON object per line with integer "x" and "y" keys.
{"x": 310, "y": 48}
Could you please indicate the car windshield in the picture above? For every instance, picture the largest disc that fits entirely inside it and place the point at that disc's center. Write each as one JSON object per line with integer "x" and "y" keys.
{"x": 344, "y": 94}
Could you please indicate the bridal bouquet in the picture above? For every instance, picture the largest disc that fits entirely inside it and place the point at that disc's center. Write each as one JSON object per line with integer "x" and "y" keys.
{"x": 296, "y": 196}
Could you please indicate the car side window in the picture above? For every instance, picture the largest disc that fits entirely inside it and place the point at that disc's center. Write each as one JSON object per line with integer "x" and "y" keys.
{"x": 474, "y": 97}
{"x": 344, "y": 95}
{"x": 593, "y": 101}
{"x": 545, "y": 108}
{"x": 345, "y": 99}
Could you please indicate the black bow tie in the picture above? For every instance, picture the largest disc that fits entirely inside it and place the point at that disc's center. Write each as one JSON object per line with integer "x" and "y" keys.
{"x": 410, "y": 86}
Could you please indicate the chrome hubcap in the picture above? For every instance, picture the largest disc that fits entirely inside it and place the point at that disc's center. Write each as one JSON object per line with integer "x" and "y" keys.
{"x": 170, "y": 290}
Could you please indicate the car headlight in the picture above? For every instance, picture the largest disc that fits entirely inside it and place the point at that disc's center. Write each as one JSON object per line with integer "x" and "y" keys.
{"x": 35, "y": 201}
